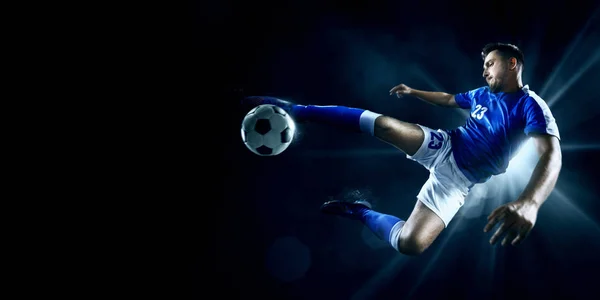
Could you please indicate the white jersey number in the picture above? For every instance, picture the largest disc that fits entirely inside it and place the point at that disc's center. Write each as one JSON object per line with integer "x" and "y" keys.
{"x": 479, "y": 111}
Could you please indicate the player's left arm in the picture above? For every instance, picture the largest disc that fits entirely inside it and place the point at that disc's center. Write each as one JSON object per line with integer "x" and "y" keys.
{"x": 519, "y": 216}
{"x": 546, "y": 171}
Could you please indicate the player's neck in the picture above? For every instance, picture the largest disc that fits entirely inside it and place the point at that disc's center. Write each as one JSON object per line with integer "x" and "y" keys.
{"x": 513, "y": 86}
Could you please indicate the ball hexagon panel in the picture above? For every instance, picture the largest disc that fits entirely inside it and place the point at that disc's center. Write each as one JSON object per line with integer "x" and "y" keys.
{"x": 278, "y": 123}
{"x": 253, "y": 139}
{"x": 279, "y": 110}
{"x": 263, "y": 111}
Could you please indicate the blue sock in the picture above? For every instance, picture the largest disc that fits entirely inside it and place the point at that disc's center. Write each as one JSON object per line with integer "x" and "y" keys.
{"x": 352, "y": 119}
{"x": 385, "y": 227}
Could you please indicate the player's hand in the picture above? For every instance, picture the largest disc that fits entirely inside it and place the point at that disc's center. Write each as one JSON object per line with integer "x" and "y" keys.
{"x": 518, "y": 218}
{"x": 400, "y": 90}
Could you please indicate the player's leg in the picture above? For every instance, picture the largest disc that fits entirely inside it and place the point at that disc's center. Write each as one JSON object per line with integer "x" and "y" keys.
{"x": 422, "y": 227}
{"x": 412, "y": 237}
{"x": 440, "y": 198}
{"x": 405, "y": 136}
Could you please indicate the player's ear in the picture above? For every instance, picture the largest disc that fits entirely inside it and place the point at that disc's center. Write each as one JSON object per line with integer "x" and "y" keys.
{"x": 512, "y": 63}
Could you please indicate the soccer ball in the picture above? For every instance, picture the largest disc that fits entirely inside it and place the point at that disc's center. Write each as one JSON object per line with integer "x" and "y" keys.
{"x": 267, "y": 130}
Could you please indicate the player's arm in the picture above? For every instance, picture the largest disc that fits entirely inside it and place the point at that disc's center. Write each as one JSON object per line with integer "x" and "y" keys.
{"x": 544, "y": 176}
{"x": 519, "y": 216}
{"x": 435, "y": 98}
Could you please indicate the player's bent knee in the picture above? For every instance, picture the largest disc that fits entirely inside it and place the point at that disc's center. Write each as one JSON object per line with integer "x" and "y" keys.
{"x": 412, "y": 245}
{"x": 416, "y": 237}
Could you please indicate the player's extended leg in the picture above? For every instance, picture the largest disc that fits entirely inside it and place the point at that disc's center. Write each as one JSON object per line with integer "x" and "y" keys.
{"x": 423, "y": 226}
{"x": 404, "y": 136}
{"x": 412, "y": 237}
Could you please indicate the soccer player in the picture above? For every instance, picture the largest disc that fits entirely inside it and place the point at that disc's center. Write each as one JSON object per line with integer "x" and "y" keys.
{"x": 503, "y": 115}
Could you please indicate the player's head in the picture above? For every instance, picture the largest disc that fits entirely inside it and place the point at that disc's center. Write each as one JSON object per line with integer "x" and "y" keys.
{"x": 502, "y": 65}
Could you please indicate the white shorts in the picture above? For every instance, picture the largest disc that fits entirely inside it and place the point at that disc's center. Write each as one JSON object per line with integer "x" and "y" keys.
{"x": 447, "y": 187}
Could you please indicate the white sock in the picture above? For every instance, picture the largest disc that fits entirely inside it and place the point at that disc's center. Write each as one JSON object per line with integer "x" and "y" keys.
{"x": 395, "y": 234}
{"x": 367, "y": 121}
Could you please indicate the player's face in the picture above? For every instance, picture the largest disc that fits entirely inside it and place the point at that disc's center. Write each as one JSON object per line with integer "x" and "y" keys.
{"x": 495, "y": 71}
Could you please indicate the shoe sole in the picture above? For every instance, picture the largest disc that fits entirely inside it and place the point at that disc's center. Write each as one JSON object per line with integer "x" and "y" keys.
{"x": 337, "y": 207}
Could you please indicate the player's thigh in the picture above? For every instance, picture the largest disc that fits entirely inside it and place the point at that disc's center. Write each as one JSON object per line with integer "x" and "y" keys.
{"x": 421, "y": 229}
{"x": 405, "y": 136}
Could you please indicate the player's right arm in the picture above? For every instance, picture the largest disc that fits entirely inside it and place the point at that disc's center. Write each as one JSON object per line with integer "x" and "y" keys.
{"x": 435, "y": 98}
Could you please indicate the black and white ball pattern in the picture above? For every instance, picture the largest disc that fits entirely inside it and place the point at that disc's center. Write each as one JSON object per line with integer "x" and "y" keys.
{"x": 267, "y": 130}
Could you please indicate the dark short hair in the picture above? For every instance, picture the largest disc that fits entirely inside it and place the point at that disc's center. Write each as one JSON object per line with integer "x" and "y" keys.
{"x": 505, "y": 50}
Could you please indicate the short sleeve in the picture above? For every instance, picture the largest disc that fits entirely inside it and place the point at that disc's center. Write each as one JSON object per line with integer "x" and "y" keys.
{"x": 539, "y": 118}
{"x": 465, "y": 100}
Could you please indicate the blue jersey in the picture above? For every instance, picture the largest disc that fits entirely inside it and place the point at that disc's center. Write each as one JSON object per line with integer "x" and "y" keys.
{"x": 497, "y": 127}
